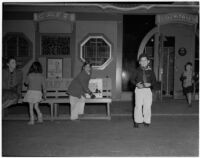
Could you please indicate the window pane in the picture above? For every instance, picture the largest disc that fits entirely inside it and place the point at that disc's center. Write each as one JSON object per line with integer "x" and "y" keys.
{"x": 11, "y": 46}
{"x": 16, "y": 45}
{"x": 23, "y": 47}
{"x": 96, "y": 51}
{"x": 149, "y": 51}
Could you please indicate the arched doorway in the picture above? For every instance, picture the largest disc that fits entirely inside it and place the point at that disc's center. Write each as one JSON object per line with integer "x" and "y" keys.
{"x": 174, "y": 32}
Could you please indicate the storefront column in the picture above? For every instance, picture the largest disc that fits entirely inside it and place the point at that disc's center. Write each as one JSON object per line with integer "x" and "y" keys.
{"x": 119, "y": 60}
{"x": 37, "y": 41}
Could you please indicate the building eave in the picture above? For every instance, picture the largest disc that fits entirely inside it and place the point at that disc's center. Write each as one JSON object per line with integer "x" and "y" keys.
{"x": 100, "y": 8}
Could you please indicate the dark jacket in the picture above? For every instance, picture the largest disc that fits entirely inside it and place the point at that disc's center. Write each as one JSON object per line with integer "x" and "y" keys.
{"x": 12, "y": 81}
{"x": 11, "y": 85}
{"x": 79, "y": 85}
{"x": 138, "y": 76}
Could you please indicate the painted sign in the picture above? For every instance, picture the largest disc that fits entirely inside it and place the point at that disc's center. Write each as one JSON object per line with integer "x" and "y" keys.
{"x": 176, "y": 18}
{"x": 54, "y": 15}
{"x": 54, "y": 68}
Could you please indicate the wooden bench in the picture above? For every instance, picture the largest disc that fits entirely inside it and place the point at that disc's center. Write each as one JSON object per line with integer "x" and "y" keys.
{"x": 56, "y": 93}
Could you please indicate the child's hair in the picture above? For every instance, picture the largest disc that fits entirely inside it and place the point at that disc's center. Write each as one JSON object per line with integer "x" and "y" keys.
{"x": 143, "y": 55}
{"x": 36, "y": 67}
{"x": 6, "y": 60}
{"x": 86, "y": 63}
{"x": 10, "y": 58}
{"x": 188, "y": 63}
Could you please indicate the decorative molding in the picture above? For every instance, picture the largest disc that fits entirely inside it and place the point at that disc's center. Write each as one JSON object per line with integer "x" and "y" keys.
{"x": 145, "y": 40}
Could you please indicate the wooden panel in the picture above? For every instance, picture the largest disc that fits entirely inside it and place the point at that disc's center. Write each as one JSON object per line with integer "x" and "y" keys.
{"x": 58, "y": 84}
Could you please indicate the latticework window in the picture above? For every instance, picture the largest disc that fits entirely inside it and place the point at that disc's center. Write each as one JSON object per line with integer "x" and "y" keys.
{"x": 97, "y": 51}
{"x": 55, "y": 45}
{"x": 16, "y": 45}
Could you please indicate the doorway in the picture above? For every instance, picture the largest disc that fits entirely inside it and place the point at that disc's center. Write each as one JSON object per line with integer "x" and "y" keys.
{"x": 168, "y": 66}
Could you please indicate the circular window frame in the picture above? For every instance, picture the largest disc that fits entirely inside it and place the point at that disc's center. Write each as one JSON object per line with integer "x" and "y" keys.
{"x": 86, "y": 39}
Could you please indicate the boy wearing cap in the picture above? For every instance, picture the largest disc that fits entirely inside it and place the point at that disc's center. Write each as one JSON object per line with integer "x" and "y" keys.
{"x": 144, "y": 79}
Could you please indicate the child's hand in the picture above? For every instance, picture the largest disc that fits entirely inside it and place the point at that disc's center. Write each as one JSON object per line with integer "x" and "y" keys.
{"x": 44, "y": 96}
{"x": 147, "y": 84}
{"x": 139, "y": 85}
{"x": 93, "y": 96}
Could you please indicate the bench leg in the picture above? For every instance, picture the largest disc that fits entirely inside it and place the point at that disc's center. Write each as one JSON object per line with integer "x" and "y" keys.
{"x": 55, "y": 110}
{"x": 108, "y": 110}
{"x": 51, "y": 108}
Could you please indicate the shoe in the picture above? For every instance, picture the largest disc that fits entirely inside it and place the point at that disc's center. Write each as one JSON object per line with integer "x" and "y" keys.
{"x": 146, "y": 124}
{"x": 31, "y": 122}
{"x": 189, "y": 105}
{"x": 40, "y": 119}
{"x": 136, "y": 125}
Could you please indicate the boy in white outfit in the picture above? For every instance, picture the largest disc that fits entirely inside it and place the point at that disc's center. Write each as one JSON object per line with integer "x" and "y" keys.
{"x": 144, "y": 79}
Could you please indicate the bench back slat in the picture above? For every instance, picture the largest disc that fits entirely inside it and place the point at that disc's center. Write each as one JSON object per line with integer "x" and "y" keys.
{"x": 57, "y": 88}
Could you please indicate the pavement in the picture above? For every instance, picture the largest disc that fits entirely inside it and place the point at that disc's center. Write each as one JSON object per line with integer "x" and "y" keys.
{"x": 174, "y": 131}
{"x": 166, "y": 136}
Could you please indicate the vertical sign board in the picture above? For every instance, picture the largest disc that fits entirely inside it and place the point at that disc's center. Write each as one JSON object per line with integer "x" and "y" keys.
{"x": 96, "y": 87}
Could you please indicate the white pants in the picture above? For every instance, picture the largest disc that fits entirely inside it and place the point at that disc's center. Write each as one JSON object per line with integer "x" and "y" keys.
{"x": 77, "y": 106}
{"x": 143, "y": 98}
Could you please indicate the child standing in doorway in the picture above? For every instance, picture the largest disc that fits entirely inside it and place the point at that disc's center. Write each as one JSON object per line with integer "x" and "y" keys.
{"x": 144, "y": 79}
{"x": 187, "y": 78}
{"x": 36, "y": 90}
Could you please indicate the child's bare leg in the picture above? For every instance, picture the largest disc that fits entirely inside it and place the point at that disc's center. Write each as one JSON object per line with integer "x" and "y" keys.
{"x": 31, "y": 122}
{"x": 39, "y": 114}
{"x": 189, "y": 98}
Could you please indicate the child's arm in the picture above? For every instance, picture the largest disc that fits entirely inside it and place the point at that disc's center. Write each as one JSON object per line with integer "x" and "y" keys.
{"x": 140, "y": 85}
{"x": 43, "y": 87}
{"x": 195, "y": 77}
{"x": 152, "y": 81}
{"x": 19, "y": 85}
{"x": 182, "y": 78}
{"x": 85, "y": 85}
{"x": 26, "y": 81}
{"x": 133, "y": 77}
